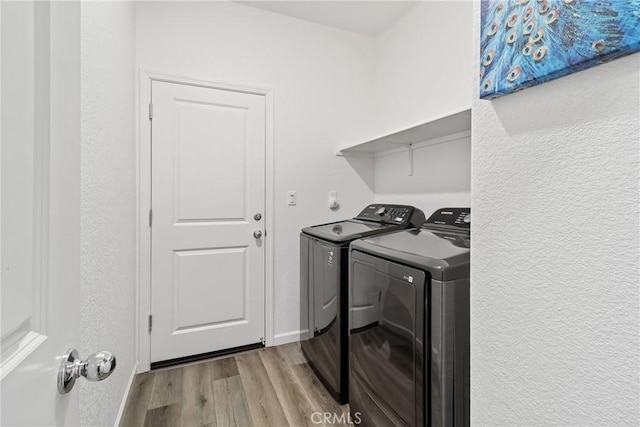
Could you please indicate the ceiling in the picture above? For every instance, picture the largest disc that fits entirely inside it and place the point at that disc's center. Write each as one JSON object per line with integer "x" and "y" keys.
{"x": 369, "y": 18}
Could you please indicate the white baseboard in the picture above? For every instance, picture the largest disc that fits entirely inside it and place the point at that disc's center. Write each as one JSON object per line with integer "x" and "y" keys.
{"x": 287, "y": 337}
{"x": 123, "y": 404}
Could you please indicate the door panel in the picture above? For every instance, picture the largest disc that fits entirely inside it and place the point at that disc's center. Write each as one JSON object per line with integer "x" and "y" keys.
{"x": 208, "y": 167}
{"x": 19, "y": 306}
{"x": 199, "y": 170}
{"x": 195, "y": 271}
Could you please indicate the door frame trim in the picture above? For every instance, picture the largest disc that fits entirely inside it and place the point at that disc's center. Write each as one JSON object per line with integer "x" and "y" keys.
{"x": 143, "y": 196}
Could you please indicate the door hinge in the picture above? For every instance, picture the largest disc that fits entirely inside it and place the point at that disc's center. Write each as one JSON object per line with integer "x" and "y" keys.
{"x": 262, "y": 341}
{"x": 150, "y": 111}
{"x": 150, "y": 323}
{"x": 150, "y": 217}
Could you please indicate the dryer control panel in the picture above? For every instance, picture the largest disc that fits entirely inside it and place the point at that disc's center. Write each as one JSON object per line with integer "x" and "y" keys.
{"x": 403, "y": 215}
{"x": 455, "y": 217}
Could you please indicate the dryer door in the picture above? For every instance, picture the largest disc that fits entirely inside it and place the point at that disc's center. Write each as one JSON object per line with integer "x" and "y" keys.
{"x": 387, "y": 339}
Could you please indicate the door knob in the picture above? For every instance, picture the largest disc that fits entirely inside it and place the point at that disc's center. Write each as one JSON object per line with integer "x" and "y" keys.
{"x": 96, "y": 367}
{"x": 257, "y": 234}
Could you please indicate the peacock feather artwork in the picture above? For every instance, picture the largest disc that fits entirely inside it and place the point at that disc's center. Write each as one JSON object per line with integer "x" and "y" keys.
{"x": 528, "y": 42}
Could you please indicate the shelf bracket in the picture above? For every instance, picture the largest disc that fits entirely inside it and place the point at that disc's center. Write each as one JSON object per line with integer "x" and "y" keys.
{"x": 410, "y": 147}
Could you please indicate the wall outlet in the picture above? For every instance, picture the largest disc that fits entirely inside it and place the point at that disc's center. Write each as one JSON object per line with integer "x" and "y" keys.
{"x": 291, "y": 198}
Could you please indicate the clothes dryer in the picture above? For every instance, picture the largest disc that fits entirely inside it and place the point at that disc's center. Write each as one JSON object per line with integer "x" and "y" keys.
{"x": 409, "y": 324}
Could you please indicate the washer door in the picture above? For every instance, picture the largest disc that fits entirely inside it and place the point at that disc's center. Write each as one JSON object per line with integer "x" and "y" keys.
{"x": 386, "y": 342}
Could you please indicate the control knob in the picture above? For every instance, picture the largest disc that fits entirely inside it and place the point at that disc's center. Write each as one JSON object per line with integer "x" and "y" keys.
{"x": 381, "y": 211}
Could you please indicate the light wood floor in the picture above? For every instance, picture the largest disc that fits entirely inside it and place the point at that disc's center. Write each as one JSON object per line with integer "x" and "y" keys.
{"x": 266, "y": 387}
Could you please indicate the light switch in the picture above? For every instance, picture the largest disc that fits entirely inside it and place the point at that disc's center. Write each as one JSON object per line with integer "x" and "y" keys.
{"x": 291, "y": 198}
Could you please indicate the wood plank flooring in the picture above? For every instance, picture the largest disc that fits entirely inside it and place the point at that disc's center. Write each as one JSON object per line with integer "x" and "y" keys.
{"x": 267, "y": 387}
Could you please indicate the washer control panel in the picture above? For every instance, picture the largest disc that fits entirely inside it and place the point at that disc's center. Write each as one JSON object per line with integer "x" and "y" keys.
{"x": 395, "y": 214}
{"x": 456, "y": 217}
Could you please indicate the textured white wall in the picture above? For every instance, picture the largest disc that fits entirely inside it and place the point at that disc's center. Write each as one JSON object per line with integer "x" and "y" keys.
{"x": 424, "y": 69}
{"x": 555, "y": 251}
{"x": 107, "y": 293}
{"x": 322, "y": 84}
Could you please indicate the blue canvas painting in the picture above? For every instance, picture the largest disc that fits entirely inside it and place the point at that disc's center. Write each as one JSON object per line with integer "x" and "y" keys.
{"x": 528, "y": 42}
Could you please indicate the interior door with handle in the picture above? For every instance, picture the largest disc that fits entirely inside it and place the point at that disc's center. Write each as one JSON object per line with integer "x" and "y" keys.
{"x": 207, "y": 234}
{"x": 40, "y": 211}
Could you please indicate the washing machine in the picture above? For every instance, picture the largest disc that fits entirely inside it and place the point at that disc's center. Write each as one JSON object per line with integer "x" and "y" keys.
{"x": 324, "y": 267}
{"x": 409, "y": 324}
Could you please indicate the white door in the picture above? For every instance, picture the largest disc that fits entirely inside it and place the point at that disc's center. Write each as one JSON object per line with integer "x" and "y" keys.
{"x": 40, "y": 228}
{"x": 208, "y": 182}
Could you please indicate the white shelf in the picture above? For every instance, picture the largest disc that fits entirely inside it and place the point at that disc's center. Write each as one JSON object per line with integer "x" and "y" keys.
{"x": 437, "y": 128}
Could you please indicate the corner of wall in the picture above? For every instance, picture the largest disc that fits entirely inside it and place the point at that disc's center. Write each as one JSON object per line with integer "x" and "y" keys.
{"x": 107, "y": 224}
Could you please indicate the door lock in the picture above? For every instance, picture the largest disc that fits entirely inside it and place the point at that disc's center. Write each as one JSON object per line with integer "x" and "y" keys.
{"x": 257, "y": 234}
{"x": 257, "y": 216}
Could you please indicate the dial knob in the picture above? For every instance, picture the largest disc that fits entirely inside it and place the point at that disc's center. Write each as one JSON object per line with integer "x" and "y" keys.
{"x": 467, "y": 218}
{"x": 381, "y": 211}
